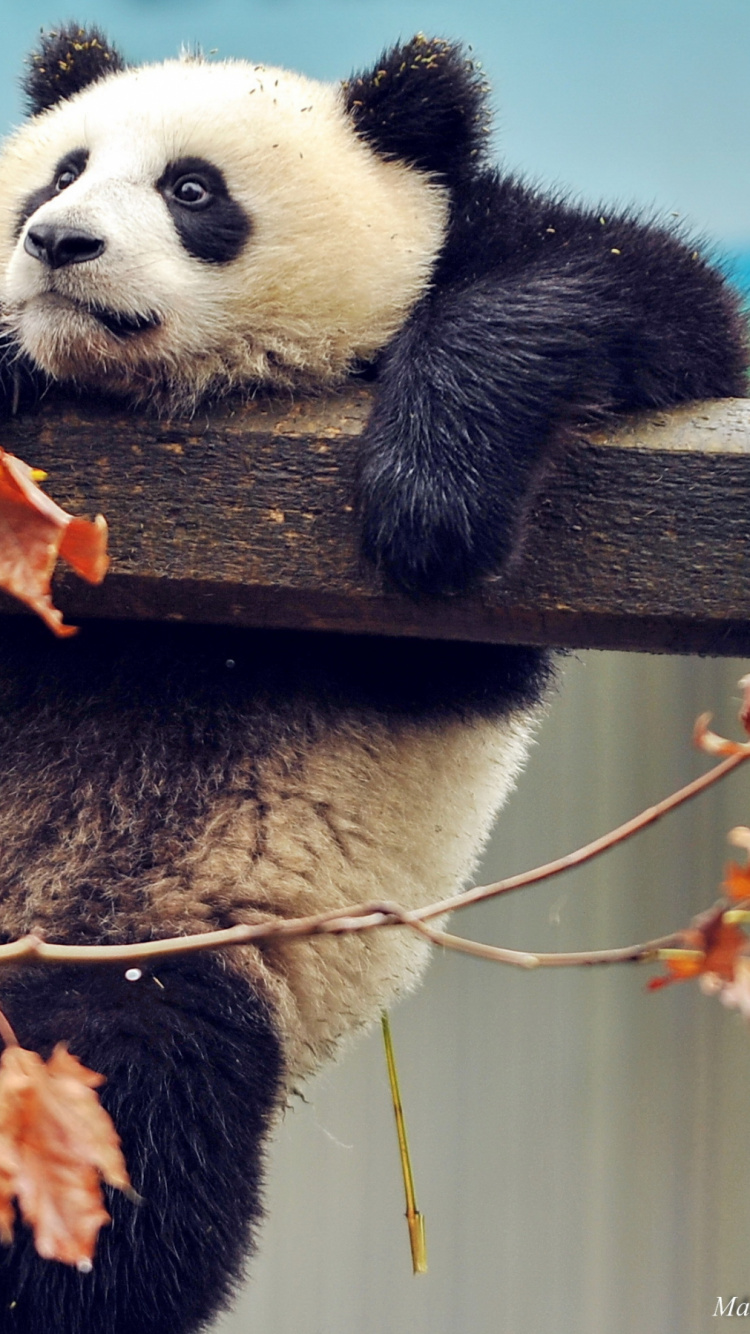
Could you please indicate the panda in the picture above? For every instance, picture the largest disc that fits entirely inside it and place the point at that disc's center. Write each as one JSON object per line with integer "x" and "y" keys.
{"x": 171, "y": 234}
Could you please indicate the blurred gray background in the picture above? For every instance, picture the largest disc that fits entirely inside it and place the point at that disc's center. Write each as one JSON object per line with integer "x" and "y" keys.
{"x": 579, "y": 1145}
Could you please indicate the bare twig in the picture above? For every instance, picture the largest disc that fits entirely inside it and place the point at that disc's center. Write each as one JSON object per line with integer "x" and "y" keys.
{"x": 590, "y": 850}
{"x": 365, "y": 917}
{"x": 649, "y": 951}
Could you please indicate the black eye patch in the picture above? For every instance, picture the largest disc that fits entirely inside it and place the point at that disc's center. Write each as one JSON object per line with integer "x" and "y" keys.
{"x": 68, "y": 169}
{"x": 211, "y": 225}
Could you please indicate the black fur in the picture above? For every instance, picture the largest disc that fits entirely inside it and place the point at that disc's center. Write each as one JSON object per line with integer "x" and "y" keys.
{"x": 172, "y": 685}
{"x": 66, "y": 61}
{"x": 216, "y": 227}
{"x": 73, "y": 163}
{"x": 424, "y": 103}
{"x": 21, "y": 381}
{"x": 193, "y": 1069}
{"x": 543, "y": 321}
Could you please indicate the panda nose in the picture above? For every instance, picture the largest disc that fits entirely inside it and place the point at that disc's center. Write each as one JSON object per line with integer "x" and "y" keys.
{"x": 59, "y": 246}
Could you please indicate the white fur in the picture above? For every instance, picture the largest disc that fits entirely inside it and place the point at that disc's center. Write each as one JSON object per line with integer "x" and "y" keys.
{"x": 355, "y": 807}
{"x": 397, "y": 812}
{"x": 342, "y": 243}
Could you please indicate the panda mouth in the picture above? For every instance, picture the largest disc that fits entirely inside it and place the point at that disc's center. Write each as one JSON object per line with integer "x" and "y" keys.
{"x": 123, "y": 325}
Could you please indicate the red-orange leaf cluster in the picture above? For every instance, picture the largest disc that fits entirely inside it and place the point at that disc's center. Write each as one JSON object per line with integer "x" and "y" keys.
{"x": 716, "y": 950}
{"x": 715, "y": 946}
{"x": 56, "y": 1143}
{"x": 34, "y": 531}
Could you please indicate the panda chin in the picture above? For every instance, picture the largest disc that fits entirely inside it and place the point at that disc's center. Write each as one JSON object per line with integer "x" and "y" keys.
{"x": 66, "y": 338}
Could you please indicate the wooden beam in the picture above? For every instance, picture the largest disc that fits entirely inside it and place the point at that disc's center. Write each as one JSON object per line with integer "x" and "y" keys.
{"x": 245, "y": 516}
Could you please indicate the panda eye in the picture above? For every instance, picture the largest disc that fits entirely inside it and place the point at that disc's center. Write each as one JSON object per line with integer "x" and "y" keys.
{"x": 191, "y": 192}
{"x": 66, "y": 177}
{"x": 210, "y": 224}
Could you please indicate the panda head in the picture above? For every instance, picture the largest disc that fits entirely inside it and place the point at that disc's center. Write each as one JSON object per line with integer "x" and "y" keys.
{"x": 197, "y": 226}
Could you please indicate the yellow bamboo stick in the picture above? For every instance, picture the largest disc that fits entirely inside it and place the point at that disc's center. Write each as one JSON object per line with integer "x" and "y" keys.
{"x": 414, "y": 1219}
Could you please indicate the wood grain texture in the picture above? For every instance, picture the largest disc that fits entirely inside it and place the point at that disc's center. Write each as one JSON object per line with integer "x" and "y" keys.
{"x": 245, "y": 516}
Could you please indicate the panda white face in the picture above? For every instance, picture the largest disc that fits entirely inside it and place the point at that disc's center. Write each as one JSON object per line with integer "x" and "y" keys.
{"x": 194, "y": 227}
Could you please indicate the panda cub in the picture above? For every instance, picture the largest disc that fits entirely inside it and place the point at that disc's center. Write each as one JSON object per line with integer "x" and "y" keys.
{"x": 171, "y": 234}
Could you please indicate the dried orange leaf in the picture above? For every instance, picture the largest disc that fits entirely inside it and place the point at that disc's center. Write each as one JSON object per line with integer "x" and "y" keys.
{"x": 56, "y": 1144}
{"x": 34, "y": 531}
{"x": 724, "y": 945}
{"x": 737, "y": 881}
{"x": 681, "y": 966}
{"x": 712, "y": 743}
{"x": 709, "y": 945}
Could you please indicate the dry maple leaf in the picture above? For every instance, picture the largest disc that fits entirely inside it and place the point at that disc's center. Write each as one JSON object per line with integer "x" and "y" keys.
{"x": 56, "y": 1144}
{"x": 736, "y": 877}
{"x": 34, "y": 531}
{"x": 710, "y": 945}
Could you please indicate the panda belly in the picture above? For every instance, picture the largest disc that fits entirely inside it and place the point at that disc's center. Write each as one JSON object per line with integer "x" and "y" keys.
{"x": 164, "y": 784}
{"x": 162, "y": 780}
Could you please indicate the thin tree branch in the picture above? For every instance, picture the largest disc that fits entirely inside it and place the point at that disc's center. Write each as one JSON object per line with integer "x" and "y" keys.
{"x": 590, "y": 850}
{"x": 525, "y": 959}
{"x": 363, "y": 917}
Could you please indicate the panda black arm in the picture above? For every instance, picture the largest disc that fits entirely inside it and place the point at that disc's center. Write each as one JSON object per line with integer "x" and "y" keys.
{"x": 543, "y": 321}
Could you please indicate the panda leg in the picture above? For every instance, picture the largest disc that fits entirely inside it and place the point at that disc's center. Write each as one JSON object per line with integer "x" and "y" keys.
{"x": 193, "y": 1072}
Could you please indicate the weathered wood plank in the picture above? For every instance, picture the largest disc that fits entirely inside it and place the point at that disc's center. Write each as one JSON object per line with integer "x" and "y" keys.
{"x": 245, "y": 516}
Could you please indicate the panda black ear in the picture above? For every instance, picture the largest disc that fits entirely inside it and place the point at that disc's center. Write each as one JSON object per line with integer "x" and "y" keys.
{"x": 64, "y": 62}
{"x": 425, "y": 103}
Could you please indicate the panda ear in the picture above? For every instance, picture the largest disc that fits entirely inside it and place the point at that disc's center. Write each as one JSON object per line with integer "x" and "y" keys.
{"x": 66, "y": 61}
{"x": 425, "y": 103}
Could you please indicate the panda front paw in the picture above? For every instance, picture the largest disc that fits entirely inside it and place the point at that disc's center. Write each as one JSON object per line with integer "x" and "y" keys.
{"x": 430, "y": 539}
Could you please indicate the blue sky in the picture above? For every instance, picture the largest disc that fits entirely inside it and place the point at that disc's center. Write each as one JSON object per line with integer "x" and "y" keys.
{"x": 646, "y": 101}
